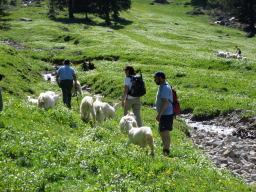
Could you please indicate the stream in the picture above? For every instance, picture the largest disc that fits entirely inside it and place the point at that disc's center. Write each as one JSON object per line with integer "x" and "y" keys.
{"x": 49, "y": 76}
{"x": 207, "y": 126}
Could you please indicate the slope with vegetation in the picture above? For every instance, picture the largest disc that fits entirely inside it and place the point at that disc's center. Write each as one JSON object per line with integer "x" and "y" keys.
{"x": 55, "y": 151}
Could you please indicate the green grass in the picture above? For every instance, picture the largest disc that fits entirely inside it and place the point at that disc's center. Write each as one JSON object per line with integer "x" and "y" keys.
{"x": 55, "y": 151}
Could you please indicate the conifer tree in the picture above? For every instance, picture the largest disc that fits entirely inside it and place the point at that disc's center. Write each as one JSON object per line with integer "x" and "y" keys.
{"x": 243, "y": 10}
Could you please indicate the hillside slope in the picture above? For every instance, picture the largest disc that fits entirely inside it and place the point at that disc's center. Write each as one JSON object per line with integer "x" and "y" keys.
{"x": 55, "y": 151}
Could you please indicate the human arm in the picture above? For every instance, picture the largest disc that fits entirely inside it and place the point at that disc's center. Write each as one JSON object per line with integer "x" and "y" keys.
{"x": 75, "y": 80}
{"x": 162, "y": 109}
{"x": 126, "y": 89}
{"x": 57, "y": 79}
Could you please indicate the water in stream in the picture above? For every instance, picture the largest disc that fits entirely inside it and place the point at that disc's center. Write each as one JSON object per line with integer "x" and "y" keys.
{"x": 49, "y": 76}
{"x": 207, "y": 126}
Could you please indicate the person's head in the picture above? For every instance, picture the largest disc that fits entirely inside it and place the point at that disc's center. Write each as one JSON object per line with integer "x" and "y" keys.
{"x": 129, "y": 70}
{"x": 159, "y": 77}
{"x": 236, "y": 46}
{"x": 67, "y": 62}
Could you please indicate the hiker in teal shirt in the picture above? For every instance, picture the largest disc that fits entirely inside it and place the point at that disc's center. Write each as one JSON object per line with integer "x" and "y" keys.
{"x": 164, "y": 109}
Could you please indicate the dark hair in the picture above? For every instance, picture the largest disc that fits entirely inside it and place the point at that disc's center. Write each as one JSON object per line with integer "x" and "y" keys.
{"x": 66, "y": 61}
{"x": 130, "y": 69}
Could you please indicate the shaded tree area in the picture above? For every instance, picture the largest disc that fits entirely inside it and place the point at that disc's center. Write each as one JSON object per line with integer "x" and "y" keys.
{"x": 199, "y": 3}
{"x": 243, "y": 10}
{"x": 106, "y": 9}
{"x": 62, "y": 5}
{"x": 85, "y": 6}
{"x": 3, "y": 13}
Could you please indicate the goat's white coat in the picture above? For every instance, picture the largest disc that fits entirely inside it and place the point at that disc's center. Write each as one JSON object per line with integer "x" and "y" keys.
{"x": 123, "y": 124}
{"x": 230, "y": 55}
{"x": 98, "y": 106}
{"x": 31, "y": 99}
{"x": 141, "y": 136}
{"x": 87, "y": 108}
{"x": 78, "y": 89}
{"x": 109, "y": 111}
{"x": 47, "y": 100}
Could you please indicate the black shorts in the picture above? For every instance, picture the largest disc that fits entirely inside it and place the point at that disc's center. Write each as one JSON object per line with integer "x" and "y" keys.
{"x": 166, "y": 122}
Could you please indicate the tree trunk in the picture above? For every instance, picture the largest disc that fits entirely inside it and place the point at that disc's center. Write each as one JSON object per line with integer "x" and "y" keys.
{"x": 107, "y": 10}
{"x": 86, "y": 16}
{"x": 70, "y": 9}
{"x": 251, "y": 16}
{"x": 107, "y": 19}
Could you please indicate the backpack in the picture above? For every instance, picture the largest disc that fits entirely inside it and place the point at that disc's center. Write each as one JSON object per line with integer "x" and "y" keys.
{"x": 175, "y": 103}
{"x": 138, "y": 88}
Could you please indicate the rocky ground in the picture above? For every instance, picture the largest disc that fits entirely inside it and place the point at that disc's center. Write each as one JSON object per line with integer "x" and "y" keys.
{"x": 220, "y": 17}
{"x": 235, "y": 151}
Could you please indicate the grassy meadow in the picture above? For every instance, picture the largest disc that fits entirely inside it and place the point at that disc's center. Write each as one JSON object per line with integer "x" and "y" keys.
{"x": 55, "y": 151}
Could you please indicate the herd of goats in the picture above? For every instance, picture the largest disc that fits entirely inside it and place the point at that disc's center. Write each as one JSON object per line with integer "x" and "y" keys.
{"x": 101, "y": 111}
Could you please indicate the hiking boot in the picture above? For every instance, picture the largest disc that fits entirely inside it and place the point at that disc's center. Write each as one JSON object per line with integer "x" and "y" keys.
{"x": 166, "y": 151}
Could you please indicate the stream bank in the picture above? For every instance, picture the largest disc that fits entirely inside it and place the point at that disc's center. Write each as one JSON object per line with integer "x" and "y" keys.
{"x": 229, "y": 141}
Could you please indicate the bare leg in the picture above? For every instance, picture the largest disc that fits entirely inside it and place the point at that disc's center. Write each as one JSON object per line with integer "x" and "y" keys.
{"x": 165, "y": 135}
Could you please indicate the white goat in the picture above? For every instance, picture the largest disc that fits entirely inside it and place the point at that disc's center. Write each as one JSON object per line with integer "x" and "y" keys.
{"x": 221, "y": 54}
{"x": 87, "y": 108}
{"x": 129, "y": 117}
{"x": 109, "y": 111}
{"x": 98, "y": 106}
{"x": 141, "y": 136}
{"x": 77, "y": 89}
{"x": 47, "y": 100}
{"x": 31, "y": 99}
{"x": 232, "y": 55}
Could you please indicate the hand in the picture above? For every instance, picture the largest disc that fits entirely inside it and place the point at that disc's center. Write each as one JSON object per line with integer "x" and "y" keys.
{"x": 158, "y": 117}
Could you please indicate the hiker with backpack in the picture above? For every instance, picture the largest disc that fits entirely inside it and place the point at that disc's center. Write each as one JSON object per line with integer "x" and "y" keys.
{"x": 129, "y": 101}
{"x": 164, "y": 107}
